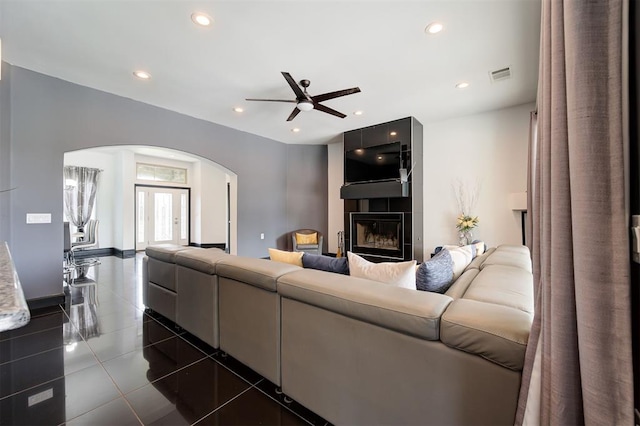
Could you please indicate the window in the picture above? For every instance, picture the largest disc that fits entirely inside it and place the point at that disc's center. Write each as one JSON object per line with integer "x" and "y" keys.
{"x": 161, "y": 173}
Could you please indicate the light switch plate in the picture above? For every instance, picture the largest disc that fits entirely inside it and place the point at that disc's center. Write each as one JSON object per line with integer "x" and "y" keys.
{"x": 38, "y": 218}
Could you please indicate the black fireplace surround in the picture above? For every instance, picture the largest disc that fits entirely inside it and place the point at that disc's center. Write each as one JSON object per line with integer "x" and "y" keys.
{"x": 378, "y": 234}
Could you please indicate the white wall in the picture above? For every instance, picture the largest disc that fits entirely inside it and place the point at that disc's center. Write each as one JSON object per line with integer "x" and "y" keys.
{"x": 124, "y": 198}
{"x": 211, "y": 196}
{"x": 490, "y": 148}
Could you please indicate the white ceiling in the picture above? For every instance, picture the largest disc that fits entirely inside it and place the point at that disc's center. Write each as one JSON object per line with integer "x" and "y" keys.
{"x": 380, "y": 46}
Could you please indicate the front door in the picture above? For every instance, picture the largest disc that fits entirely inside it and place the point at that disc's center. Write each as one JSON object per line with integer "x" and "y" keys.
{"x": 162, "y": 216}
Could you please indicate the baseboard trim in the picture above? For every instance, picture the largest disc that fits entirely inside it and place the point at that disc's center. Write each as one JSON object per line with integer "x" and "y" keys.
{"x": 103, "y": 252}
{"x": 45, "y": 302}
{"x": 221, "y": 246}
{"x": 124, "y": 254}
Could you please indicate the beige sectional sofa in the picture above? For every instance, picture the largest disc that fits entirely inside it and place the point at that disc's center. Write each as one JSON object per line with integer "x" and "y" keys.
{"x": 357, "y": 351}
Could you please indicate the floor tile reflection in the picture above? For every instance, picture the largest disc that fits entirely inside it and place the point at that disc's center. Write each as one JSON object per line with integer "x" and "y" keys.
{"x": 117, "y": 412}
{"x": 34, "y": 343}
{"x": 59, "y": 400}
{"x": 187, "y": 395}
{"x": 264, "y": 410}
{"x": 100, "y": 359}
{"x": 143, "y": 366}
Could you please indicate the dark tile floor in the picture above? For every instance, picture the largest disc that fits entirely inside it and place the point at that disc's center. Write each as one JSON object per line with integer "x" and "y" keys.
{"x": 102, "y": 360}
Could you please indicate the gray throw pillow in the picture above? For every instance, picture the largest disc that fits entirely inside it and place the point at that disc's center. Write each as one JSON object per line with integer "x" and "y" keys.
{"x": 435, "y": 274}
{"x": 338, "y": 265}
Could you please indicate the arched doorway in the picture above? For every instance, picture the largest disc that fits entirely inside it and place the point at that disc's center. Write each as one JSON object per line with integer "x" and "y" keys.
{"x": 211, "y": 196}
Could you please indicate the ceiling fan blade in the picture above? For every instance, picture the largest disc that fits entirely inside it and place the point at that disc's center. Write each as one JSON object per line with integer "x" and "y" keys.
{"x": 295, "y": 112}
{"x": 337, "y": 94}
{"x": 296, "y": 89}
{"x": 328, "y": 110}
{"x": 272, "y": 100}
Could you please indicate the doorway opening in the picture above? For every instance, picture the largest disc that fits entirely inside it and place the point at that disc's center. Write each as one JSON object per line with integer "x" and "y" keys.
{"x": 162, "y": 216}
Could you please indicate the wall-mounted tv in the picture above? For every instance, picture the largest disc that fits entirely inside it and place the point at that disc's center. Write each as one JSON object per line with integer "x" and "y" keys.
{"x": 376, "y": 163}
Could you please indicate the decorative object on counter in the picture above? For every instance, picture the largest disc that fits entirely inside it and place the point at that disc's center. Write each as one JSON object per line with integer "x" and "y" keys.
{"x": 465, "y": 227}
{"x": 14, "y": 312}
{"x": 467, "y": 199}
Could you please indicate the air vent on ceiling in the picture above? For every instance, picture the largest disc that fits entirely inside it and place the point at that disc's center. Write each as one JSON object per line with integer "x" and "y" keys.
{"x": 500, "y": 75}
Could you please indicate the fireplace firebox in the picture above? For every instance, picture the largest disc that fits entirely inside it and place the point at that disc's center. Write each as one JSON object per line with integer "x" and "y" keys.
{"x": 378, "y": 234}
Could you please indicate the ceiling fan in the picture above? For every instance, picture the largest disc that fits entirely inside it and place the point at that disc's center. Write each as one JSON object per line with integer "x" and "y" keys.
{"x": 305, "y": 102}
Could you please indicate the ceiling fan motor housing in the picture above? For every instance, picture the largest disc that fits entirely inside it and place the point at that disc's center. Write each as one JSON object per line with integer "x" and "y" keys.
{"x": 305, "y": 105}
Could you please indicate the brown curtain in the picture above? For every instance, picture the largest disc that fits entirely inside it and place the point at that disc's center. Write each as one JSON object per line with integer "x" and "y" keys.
{"x": 578, "y": 365}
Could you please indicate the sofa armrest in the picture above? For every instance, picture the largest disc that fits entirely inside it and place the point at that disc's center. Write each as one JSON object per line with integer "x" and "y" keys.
{"x": 411, "y": 312}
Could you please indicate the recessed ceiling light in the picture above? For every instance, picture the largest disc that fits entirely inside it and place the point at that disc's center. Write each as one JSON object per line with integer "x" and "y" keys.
{"x": 201, "y": 19}
{"x": 295, "y": 130}
{"x": 238, "y": 109}
{"x": 434, "y": 28}
{"x": 393, "y": 134}
{"x": 358, "y": 113}
{"x": 462, "y": 85}
{"x": 379, "y": 157}
{"x": 142, "y": 75}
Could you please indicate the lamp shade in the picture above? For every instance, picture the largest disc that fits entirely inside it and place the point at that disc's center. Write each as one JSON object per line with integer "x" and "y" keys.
{"x": 518, "y": 201}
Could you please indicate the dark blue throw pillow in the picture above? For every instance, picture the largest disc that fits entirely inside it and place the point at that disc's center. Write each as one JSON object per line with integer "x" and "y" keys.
{"x": 326, "y": 263}
{"x": 435, "y": 274}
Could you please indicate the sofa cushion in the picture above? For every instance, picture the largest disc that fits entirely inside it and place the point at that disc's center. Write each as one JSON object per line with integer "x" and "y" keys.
{"x": 503, "y": 285}
{"x": 307, "y": 238}
{"x": 201, "y": 260}
{"x": 399, "y": 274}
{"x": 497, "y": 333}
{"x": 460, "y": 286}
{"x": 435, "y": 274}
{"x": 416, "y": 313}
{"x": 261, "y": 273}
{"x": 480, "y": 246}
{"x": 461, "y": 257}
{"x": 292, "y": 257}
{"x": 516, "y": 256}
{"x": 338, "y": 265}
{"x": 479, "y": 260}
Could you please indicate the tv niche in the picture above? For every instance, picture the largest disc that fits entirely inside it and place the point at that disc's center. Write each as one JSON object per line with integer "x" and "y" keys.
{"x": 374, "y": 164}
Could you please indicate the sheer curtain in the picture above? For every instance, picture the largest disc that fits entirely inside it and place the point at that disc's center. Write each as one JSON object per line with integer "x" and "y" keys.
{"x": 80, "y": 184}
{"x": 578, "y": 366}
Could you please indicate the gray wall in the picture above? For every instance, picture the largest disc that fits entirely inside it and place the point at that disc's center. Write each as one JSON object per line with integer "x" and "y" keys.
{"x": 307, "y": 189}
{"x": 5, "y": 153}
{"x": 50, "y": 116}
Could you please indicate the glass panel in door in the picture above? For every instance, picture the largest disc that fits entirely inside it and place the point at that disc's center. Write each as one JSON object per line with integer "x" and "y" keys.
{"x": 162, "y": 216}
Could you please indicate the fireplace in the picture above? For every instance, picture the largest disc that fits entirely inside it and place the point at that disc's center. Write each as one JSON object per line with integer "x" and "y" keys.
{"x": 378, "y": 235}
